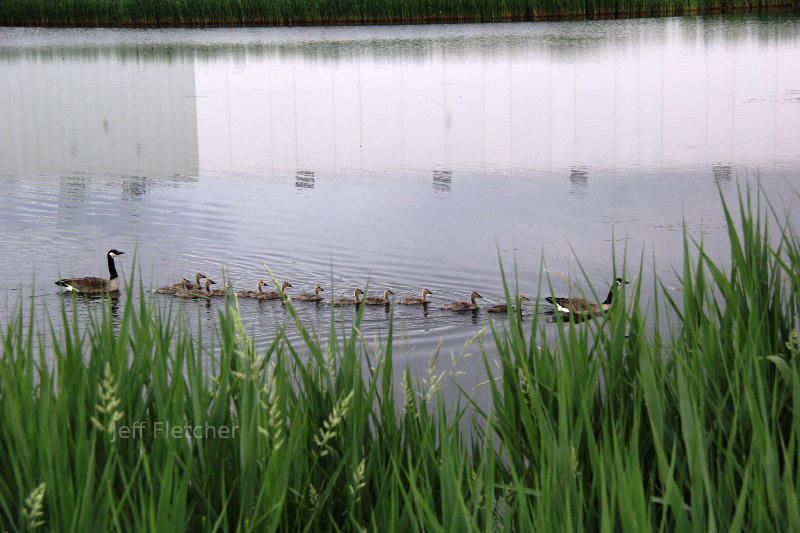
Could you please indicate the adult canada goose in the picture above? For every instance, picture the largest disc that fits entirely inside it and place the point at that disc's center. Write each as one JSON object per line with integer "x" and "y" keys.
{"x": 411, "y": 300}
{"x": 310, "y": 296}
{"x": 377, "y": 300}
{"x": 250, "y": 294}
{"x": 273, "y": 295}
{"x": 94, "y": 285}
{"x": 172, "y": 289}
{"x": 579, "y": 306}
{"x": 349, "y": 301}
{"x": 183, "y": 293}
{"x": 464, "y": 306}
{"x": 222, "y": 292}
{"x": 503, "y": 308}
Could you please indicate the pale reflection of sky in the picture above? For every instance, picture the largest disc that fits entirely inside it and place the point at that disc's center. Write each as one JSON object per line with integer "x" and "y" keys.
{"x": 645, "y": 97}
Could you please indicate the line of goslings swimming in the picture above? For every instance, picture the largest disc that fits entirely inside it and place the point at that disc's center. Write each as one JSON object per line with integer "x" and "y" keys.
{"x": 201, "y": 287}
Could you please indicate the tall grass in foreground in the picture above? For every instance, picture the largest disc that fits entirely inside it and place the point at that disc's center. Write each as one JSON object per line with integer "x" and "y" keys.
{"x": 292, "y": 12}
{"x": 614, "y": 427}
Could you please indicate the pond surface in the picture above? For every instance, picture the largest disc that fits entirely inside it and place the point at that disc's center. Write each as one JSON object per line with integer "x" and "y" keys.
{"x": 403, "y": 156}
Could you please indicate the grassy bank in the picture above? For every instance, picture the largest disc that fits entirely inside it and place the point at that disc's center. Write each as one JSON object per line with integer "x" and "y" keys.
{"x": 334, "y": 12}
{"x": 134, "y": 423}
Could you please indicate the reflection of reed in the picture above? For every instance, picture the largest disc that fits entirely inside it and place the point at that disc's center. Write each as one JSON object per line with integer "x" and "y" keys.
{"x": 578, "y": 180}
{"x": 304, "y": 179}
{"x": 442, "y": 180}
{"x": 352, "y": 43}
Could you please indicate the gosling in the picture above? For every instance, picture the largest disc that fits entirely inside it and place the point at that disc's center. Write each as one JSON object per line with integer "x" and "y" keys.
{"x": 412, "y": 300}
{"x": 196, "y": 286}
{"x": 251, "y": 294}
{"x": 503, "y": 308}
{"x": 186, "y": 293}
{"x": 464, "y": 306}
{"x": 172, "y": 289}
{"x": 349, "y": 301}
{"x": 310, "y": 296}
{"x": 222, "y": 292}
{"x": 376, "y": 300}
{"x": 273, "y": 295}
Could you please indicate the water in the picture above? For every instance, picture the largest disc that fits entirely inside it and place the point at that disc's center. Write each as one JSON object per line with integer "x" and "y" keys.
{"x": 404, "y": 156}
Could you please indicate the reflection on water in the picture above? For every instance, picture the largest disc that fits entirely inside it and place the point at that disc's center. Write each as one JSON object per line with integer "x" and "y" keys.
{"x": 723, "y": 173}
{"x": 442, "y": 180}
{"x": 88, "y": 116}
{"x": 304, "y": 179}
{"x": 503, "y": 97}
{"x": 578, "y": 181}
{"x": 402, "y": 157}
{"x": 558, "y": 40}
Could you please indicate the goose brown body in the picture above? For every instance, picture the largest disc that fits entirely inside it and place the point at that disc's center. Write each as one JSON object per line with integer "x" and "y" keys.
{"x": 503, "y": 308}
{"x": 310, "y": 296}
{"x": 222, "y": 292}
{"x": 349, "y": 301}
{"x": 376, "y": 300}
{"x": 273, "y": 295}
{"x": 250, "y": 294}
{"x": 464, "y": 306}
{"x": 172, "y": 289}
{"x": 579, "y": 306}
{"x": 91, "y": 284}
{"x": 412, "y": 300}
{"x": 195, "y": 293}
{"x": 196, "y": 286}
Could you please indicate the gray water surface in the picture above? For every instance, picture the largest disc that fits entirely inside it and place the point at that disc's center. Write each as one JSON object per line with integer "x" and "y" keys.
{"x": 402, "y": 156}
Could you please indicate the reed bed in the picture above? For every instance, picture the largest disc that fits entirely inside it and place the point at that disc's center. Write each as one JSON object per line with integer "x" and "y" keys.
{"x": 138, "y": 423}
{"x": 157, "y": 13}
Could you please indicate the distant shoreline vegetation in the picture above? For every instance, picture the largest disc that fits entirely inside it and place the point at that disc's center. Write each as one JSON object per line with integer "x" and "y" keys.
{"x": 210, "y": 13}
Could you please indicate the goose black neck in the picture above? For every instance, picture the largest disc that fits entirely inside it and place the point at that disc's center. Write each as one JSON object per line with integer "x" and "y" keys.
{"x": 112, "y": 269}
{"x": 609, "y": 297}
